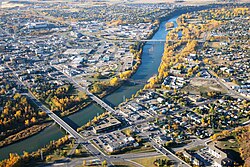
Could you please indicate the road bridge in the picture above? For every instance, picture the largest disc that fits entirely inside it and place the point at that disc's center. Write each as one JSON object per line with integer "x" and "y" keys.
{"x": 92, "y": 96}
{"x": 137, "y": 81}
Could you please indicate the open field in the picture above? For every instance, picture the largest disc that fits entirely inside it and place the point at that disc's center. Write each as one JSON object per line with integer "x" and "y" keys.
{"x": 149, "y": 162}
{"x": 198, "y": 85}
{"x": 123, "y": 164}
{"x": 231, "y": 147}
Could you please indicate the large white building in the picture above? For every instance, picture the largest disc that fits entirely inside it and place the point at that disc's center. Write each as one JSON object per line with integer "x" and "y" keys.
{"x": 221, "y": 158}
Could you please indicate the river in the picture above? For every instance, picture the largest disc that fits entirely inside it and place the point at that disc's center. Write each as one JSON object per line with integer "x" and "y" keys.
{"x": 151, "y": 58}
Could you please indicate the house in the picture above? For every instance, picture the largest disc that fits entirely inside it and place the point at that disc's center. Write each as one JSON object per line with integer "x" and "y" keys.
{"x": 195, "y": 98}
{"x": 160, "y": 99}
{"x": 135, "y": 107}
{"x": 161, "y": 139}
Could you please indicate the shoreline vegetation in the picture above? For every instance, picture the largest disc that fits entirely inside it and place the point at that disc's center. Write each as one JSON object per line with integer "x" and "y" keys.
{"x": 169, "y": 25}
{"x": 39, "y": 126}
{"x": 27, "y": 158}
{"x": 23, "y": 134}
{"x": 115, "y": 84}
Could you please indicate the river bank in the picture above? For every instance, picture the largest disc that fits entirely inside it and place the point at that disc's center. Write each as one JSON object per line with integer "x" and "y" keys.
{"x": 23, "y": 134}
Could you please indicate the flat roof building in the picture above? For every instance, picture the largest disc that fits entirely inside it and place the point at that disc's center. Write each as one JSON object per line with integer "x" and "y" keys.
{"x": 107, "y": 124}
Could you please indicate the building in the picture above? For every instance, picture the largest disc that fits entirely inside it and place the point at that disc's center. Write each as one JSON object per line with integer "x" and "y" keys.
{"x": 161, "y": 139}
{"x": 107, "y": 124}
{"x": 192, "y": 159}
{"x": 123, "y": 143}
{"x": 221, "y": 158}
{"x": 37, "y": 25}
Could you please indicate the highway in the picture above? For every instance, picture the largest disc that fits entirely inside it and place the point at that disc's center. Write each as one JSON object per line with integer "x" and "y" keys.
{"x": 100, "y": 102}
{"x": 52, "y": 115}
{"x": 57, "y": 119}
{"x": 96, "y": 152}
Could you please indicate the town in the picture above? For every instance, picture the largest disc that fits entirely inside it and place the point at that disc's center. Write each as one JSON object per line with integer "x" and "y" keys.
{"x": 56, "y": 59}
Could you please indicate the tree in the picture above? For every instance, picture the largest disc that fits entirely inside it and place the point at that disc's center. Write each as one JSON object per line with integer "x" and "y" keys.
{"x": 202, "y": 121}
{"x": 18, "y": 114}
{"x": 225, "y": 132}
{"x": 104, "y": 163}
{"x": 77, "y": 151}
{"x": 17, "y": 96}
{"x": 84, "y": 163}
{"x": 26, "y": 155}
{"x": 48, "y": 158}
{"x": 27, "y": 122}
{"x": 114, "y": 81}
{"x": 33, "y": 120}
{"x": 125, "y": 75}
{"x": 128, "y": 132}
{"x": 95, "y": 119}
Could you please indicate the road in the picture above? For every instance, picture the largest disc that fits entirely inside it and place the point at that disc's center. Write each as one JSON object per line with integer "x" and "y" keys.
{"x": 52, "y": 115}
{"x": 115, "y": 158}
{"x": 56, "y": 118}
{"x": 166, "y": 152}
{"x": 195, "y": 142}
{"x": 169, "y": 154}
{"x": 73, "y": 133}
{"x": 89, "y": 146}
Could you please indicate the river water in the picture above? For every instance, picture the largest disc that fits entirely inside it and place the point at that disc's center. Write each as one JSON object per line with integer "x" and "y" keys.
{"x": 151, "y": 58}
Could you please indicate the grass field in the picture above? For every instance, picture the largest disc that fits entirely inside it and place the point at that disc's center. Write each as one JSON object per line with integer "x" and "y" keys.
{"x": 142, "y": 149}
{"x": 231, "y": 147}
{"x": 198, "y": 85}
{"x": 149, "y": 162}
{"x": 123, "y": 164}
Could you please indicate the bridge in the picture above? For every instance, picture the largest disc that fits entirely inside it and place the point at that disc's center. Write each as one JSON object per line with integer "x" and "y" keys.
{"x": 56, "y": 118}
{"x": 137, "y": 81}
{"x": 101, "y": 102}
{"x": 92, "y": 96}
{"x": 79, "y": 139}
